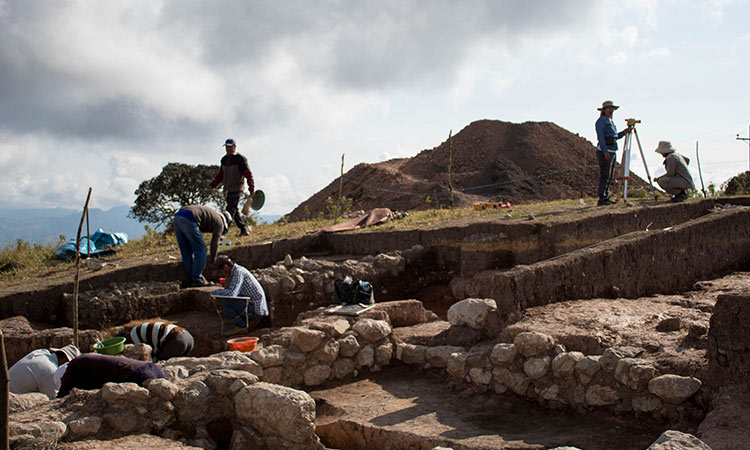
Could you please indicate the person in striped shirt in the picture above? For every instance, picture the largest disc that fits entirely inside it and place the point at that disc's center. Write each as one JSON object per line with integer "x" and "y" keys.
{"x": 241, "y": 284}
{"x": 166, "y": 339}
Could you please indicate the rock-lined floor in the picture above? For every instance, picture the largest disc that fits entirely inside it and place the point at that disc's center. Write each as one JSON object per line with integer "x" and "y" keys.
{"x": 400, "y": 409}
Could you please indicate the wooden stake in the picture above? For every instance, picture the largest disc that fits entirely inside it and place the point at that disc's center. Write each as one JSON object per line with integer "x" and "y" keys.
{"x": 450, "y": 166}
{"x": 341, "y": 187}
{"x": 4, "y": 397}
{"x": 78, "y": 268}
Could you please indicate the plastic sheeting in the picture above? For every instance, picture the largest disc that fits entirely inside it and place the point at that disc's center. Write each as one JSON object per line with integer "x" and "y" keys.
{"x": 100, "y": 245}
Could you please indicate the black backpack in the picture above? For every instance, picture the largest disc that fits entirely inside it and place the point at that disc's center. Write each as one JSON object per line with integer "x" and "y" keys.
{"x": 353, "y": 292}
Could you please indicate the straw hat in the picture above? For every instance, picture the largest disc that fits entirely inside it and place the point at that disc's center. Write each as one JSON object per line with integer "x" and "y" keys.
{"x": 665, "y": 148}
{"x": 607, "y": 104}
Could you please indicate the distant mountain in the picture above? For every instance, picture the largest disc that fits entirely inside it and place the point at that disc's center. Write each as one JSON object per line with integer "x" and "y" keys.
{"x": 45, "y": 225}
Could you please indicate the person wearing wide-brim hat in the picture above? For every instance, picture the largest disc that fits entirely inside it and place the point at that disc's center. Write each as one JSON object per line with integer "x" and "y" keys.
{"x": 678, "y": 179}
{"x": 35, "y": 371}
{"x": 606, "y": 150}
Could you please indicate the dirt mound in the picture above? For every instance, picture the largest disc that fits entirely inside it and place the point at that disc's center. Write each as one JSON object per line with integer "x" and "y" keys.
{"x": 491, "y": 160}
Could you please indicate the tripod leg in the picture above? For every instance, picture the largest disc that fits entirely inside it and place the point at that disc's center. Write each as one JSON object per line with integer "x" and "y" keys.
{"x": 645, "y": 165}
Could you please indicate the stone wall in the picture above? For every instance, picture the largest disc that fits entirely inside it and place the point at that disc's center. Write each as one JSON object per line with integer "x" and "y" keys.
{"x": 635, "y": 265}
{"x": 207, "y": 402}
{"x": 729, "y": 341}
{"x": 535, "y": 366}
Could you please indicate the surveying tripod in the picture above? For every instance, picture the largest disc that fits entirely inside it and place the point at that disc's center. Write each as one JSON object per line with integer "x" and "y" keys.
{"x": 626, "y": 156}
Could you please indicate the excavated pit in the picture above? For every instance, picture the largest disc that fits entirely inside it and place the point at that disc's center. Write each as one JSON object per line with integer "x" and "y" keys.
{"x": 593, "y": 283}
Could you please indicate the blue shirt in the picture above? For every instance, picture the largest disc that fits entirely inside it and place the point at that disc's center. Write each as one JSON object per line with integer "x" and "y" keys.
{"x": 605, "y": 128}
{"x": 244, "y": 284}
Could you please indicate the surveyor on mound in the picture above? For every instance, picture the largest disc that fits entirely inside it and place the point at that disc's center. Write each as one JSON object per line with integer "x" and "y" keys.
{"x": 606, "y": 150}
{"x": 166, "y": 339}
{"x": 189, "y": 222}
{"x": 677, "y": 180}
{"x": 233, "y": 172}
{"x": 35, "y": 371}
{"x": 92, "y": 371}
{"x": 241, "y": 284}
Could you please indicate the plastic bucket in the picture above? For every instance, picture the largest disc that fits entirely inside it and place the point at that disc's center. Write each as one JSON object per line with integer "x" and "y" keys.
{"x": 242, "y": 344}
{"x": 111, "y": 346}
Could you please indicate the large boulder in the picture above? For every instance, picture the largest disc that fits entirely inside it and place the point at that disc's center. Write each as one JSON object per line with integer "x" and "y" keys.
{"x": 280, "y": 412}
{"x": 306, "y": 339}
{"x": 532, "y": 343}
{"x": 372, "y": 330}
{"x": 472, "y": 312}
{"x": 674, "y": 389}
{"x": 503, "y": 354}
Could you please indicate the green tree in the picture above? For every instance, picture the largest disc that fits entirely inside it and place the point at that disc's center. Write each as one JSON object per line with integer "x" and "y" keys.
{"x": 159, "y": 198}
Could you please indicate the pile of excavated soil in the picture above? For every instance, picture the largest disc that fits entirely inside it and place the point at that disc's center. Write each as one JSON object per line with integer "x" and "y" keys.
{"x": 491, "y": 161}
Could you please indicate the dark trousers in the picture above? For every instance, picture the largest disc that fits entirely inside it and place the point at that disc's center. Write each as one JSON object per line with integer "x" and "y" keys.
{"x": 180, "y": 345}
{"x": 606, "y": 171}
{"x": 233, "y": 202}
{"x": 148, "y": 371}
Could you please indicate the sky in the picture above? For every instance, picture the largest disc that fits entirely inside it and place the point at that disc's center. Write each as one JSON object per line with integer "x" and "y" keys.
{"x": 104, "y": 94}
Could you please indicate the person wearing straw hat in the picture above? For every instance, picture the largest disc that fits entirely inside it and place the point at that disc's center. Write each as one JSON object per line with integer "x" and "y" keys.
{"x": 188, "y": 223}
{"x": 677, "y": 180}
{"x": 233, "y": 172}
{"x": 606, "y": 150}
{"x": 35, "y": 371}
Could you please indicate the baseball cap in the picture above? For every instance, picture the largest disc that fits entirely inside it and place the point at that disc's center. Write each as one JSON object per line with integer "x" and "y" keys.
{"x": 229, "y": 143}
{"x": 70, "y": 351}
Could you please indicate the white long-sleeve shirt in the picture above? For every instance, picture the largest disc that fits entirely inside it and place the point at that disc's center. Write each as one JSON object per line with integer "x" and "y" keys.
{"x": 34, "y": 373}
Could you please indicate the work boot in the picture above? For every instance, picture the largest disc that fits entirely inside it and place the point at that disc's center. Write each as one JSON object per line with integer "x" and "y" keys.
{"x": 681, "y": 197}
{"x": 244, "y": 233}
{"x": 604, "y": 202}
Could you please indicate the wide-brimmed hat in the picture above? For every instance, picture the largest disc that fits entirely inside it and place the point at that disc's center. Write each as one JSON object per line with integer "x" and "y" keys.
{"x": 665, "y": 147}
{"x": 70, "y": 351}
{"x": 607, "y": 104}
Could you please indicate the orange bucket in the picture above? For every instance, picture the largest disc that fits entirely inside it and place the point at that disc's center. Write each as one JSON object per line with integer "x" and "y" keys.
{"x": 242, "y": 344}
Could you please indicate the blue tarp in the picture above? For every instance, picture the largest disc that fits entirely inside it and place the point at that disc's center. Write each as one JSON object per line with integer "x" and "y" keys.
{"x": 97, "y": 247}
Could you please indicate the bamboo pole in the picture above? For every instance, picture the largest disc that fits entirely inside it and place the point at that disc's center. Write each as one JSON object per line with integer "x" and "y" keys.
{"x": 78, "y": 268}
{"x": 5, "y": 399}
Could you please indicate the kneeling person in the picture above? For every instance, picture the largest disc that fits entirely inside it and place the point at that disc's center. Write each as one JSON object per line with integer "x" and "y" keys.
{"x": 92, "y": 371}
{"x": 166, "y": 339}
{"x": 677, "y": 180}
{"x": 35, "y": 371}
{"x": 241, "y": 284}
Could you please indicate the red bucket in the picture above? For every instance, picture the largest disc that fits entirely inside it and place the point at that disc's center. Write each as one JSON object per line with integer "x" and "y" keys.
{"x": 242, "y": 344}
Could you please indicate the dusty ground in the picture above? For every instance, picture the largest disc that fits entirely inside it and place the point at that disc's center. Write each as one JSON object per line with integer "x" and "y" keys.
{"x": 398, "y": 407}
{"x": 136, "y": 442}
{"x": 591, "y": 325}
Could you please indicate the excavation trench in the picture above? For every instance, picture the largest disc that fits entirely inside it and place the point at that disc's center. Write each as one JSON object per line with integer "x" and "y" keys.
{"x": 522, "y": 266}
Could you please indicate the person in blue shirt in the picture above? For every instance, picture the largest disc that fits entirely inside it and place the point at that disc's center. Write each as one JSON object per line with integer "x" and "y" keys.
{"x": 606, "y": 150}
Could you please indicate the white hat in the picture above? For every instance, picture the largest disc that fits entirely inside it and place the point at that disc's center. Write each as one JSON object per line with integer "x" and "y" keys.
{"x": 57, "y": 377}
{"x": 665, "y": 148}
{"x": 70, "y": 350}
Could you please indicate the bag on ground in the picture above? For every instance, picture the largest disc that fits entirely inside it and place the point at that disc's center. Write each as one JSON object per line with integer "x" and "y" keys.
{"x": 351, "y": 291}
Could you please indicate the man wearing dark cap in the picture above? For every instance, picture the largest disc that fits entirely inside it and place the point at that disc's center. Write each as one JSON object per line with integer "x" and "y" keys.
{"x": 35, "y": 371}
{"x": 606, "y": 150}
{"x": 189, "y": 222}
{"x": 233, "y": 172}
{"x": 242, "y": 283}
